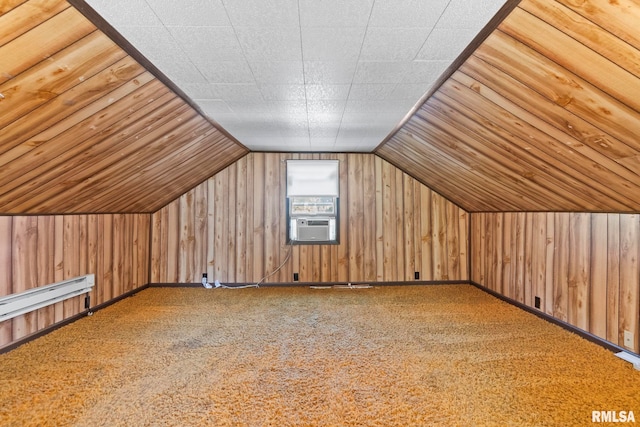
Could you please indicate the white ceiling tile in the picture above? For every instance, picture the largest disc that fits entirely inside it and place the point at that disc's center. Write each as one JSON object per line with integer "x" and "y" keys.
{"x": 392, "y": 44}
{"x": 282, "y": 92}
{"x": 335, "y": 13}
{"x": 325, "y": 110}
{"x": 224, "y": 71}
{"x": 407, "y": 13}
{"x": 236, "y": 92}
{"x": 217, "y": 43}
{"x": 445, "y": 44}
{"x": 319, "y": 92}
{"x": 291, "y": 110}
{"x": 190, "y": 13}
{"x": 332, "y": 44}
{"x": 270, "y": 44}
{"x": 324, "y": 130}
{"x": 278, "y": 72}
{"x": 329, "y": 72}
{"x": 250, "y": 108}
{"x": 262, "y": 13}
{"x": 371, "y": 91}
{"x": 381, "y": 72}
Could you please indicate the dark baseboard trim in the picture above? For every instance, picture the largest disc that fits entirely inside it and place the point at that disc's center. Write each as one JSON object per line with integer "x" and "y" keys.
{"x": 307, "y": 284}
{"x": 569, "y": 327}
{"x": 68, "y": 321}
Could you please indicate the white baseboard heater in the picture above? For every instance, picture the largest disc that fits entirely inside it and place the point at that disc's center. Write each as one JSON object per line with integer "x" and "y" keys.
{"x": 24, "y": 302}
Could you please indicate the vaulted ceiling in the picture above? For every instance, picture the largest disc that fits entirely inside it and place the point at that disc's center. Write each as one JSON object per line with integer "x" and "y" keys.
{"x": 540, "y": 113}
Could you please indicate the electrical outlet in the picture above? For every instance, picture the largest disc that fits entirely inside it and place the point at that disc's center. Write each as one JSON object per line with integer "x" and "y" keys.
{"x": 537, "y": 302}
{"x": 628, "y": 339}
{"x": 416, "y": 275}
{"x": 295, "y": 277}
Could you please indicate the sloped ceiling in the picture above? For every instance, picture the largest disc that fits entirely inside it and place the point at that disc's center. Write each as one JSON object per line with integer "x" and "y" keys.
{"x": 85, "y": 128}
{"x": 543, "y": 116}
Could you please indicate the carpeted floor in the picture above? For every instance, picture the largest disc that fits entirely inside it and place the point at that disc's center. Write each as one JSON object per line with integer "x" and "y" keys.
{"x": 387, "y": 356}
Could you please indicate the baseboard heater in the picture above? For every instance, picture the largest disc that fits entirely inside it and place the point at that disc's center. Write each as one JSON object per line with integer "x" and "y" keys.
{"x": 24, "y": 302}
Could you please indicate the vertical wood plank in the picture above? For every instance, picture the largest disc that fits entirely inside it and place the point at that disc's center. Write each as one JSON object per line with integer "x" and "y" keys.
{"x": 399, "y": 227}
{"x": 579, "y": 261}
{"x": 221, "y": 226}
{"x": 613, "y": 277}
{"x": 409, "y": 228}
{"x": 549, "y": 292}
{"x": 598, "y": 276}
{"x": 46, "y": 264}
{"x": 258, "y": 215}
{"x": 6, "y": 273}
{"x": 379, "y": 226}
{"x": 426, "y": 234}
{"x": 629, "y": 278}
{"x": 561, "y": 273}
{"x": 24, "y": 269}
{"x": 186, "y": 255}
{"x": 370, "y": 215}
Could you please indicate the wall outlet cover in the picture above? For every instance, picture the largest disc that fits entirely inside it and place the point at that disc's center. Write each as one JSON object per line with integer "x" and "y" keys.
{"x": 628, "y": 339}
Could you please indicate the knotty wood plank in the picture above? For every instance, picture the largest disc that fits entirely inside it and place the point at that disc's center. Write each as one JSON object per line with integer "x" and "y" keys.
{"x": 231, "y": 214}
{"x": 575, "y": 56}
{"x": 531, "y": 150}
{"x": 560, "y": 86}
{"x": 51, "y": 78}
{"x": 25, "y": 15}
{"x": 50, "y": 37}
{"x": 90, "y": 98}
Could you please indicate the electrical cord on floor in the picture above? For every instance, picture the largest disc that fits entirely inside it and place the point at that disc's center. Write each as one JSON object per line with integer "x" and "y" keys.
{"x": 217, "y": 283}
{"x": 278, "y": 268}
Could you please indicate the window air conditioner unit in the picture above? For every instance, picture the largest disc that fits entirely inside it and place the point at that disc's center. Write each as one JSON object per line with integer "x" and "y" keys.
{"x": 312, "y": 230}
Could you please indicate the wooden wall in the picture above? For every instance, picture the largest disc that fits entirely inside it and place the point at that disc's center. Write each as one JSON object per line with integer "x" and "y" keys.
{"x": 39, "y": 250}
{"x": 233, "y": 227}
{"x": 582, "y": 266}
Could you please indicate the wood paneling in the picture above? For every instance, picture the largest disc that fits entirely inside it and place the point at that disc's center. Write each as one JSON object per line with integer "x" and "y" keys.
{"x": 584, "y": 267}
{"x": 39, "y": 250}
{"x": 542, "y": 116}
{"x": 390, "y": 227}
{"x": 85, "y": 127}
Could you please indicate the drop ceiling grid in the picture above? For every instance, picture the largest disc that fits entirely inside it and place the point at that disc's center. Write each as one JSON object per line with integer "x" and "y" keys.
{"x": 301, "y": 75}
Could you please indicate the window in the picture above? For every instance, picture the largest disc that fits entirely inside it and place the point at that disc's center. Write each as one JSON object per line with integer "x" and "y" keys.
{"x": 313, "y": 188}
